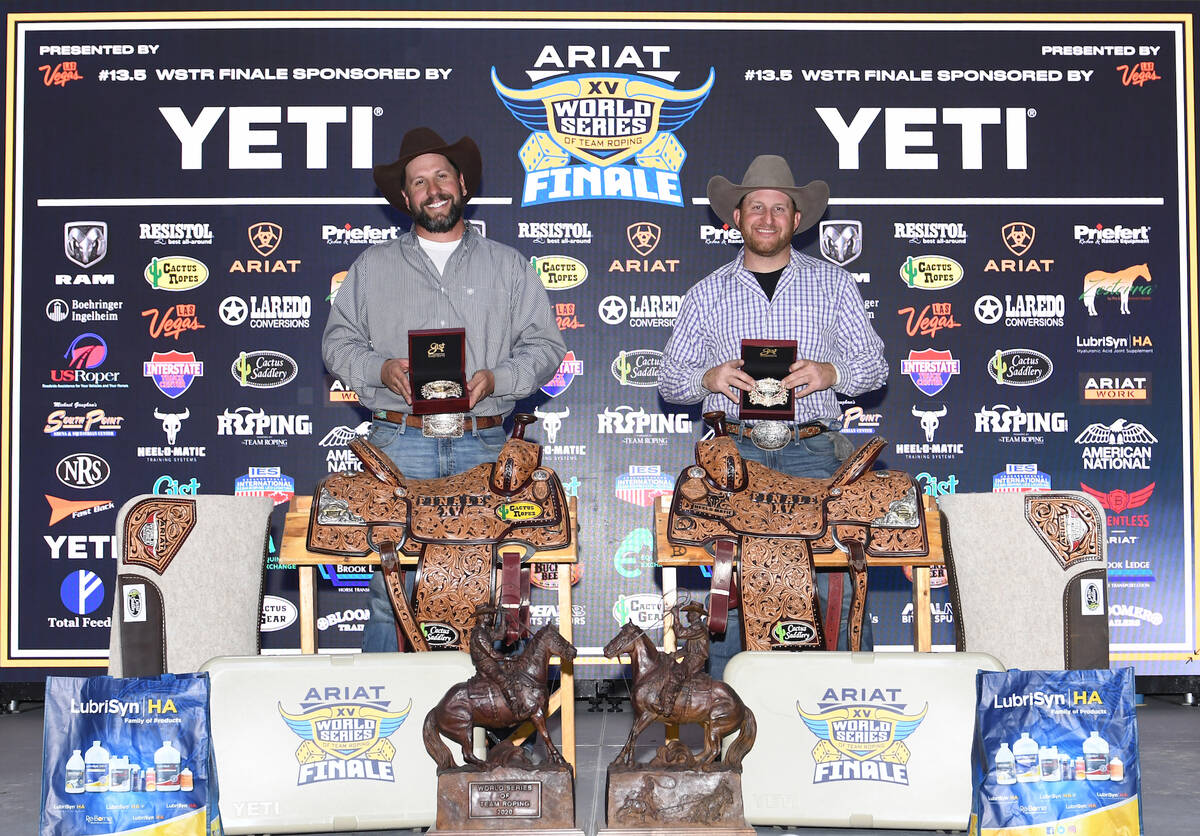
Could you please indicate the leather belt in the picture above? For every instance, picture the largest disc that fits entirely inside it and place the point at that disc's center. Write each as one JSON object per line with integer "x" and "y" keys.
{"x": 799, "y": 431}
{"x": 482, "y": 422}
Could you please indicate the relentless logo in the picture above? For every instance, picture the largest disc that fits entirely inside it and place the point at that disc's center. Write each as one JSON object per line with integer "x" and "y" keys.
{"x": 344, "y": 733}
{"x": 1118, "y": 284}
{"x": 1019, "y": 367}
{"x": 257, "y": 428}
{"x": 1119, "y": 501}
{"x": 1121, "y": 445}
{"x": 930, "y": 233}
{"x": 932, "y": 318}
{"x": 176, "y": 320}
{"x": 643, "y": 237}
{"x": 723, "y": 234}
{"x": 266, "y": 481}
{"x": 931, "y": 272}
{"x": 555, "y": 233}
{"x": 930, "y": 369}
{"x": 173, "y": 371}
{"x": 642, "y": 311}
{"x": 263, "y": 369}
{"x": 1018, "y": 426}
{"x": 861, "y": 734}
{"x": 366, "y": 234}
{"x": 602, "y": 120}
{"x": 643, "y": 484}
{"x": 1101, "y": 234}
{"x": 176, "y": 273}
{"x": 1025, "y": 309}
{"x": 86, "y": 353}
{"x": 640, "y": 426}
{"x": 1018, "y": 238}
{"x": 568, "y": 370}
{"x": 82, "y": 470}
{"x": 1020, "y": 478}
{"x": 639, "y": 367}
{"x": 85, "y": 242}
{"x": 175, "y": 234}
{"x": 559, "y": 272}
{"x": 841, "y": 241}
{"x": 1115, "y": 386}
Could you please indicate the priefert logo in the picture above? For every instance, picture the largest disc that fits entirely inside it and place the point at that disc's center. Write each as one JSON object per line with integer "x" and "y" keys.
{"x": 1101, "y": 234}
{"x": 347, "y": 234}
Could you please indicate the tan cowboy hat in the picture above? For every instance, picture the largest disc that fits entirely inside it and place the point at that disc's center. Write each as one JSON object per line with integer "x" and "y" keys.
{"x": 769, "y": 171}
{"x": 464, "y": 154}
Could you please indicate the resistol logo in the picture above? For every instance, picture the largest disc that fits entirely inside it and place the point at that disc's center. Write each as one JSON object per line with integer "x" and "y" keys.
{"x": 603, "y": 122}
{"x": 265, "y": 238}
{"x": 1018, "y": 238}
{"x": 861, "y": 734}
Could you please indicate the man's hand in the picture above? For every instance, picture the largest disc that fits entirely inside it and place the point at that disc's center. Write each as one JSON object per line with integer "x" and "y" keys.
{"x": 394, "y": 375}
{"x": 722, "y": 378}
{"x": 481, "y": 384}
{"x": 809, "y": 376}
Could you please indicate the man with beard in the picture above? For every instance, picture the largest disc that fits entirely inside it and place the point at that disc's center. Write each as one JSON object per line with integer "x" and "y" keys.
{"x": 772, "y": 291}
{"x": 441, "y": 274}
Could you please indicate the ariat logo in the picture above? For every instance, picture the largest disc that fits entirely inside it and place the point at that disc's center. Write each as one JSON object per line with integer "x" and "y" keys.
{"x": 861, "y": 735}
{"x": 344, "y": 734}
{"x": 607, "y": 133}
{"x": 643, "y": 237}
{"x": 1018, "y": 238}
{"x": 265, "y": 237}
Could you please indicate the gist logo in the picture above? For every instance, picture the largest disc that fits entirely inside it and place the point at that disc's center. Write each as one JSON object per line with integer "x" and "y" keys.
{"x": 606, "y": 133}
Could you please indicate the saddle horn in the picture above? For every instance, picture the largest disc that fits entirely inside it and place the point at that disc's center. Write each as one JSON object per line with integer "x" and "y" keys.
{"x": 521, "y": 420}
{"x": 716, "y": 421}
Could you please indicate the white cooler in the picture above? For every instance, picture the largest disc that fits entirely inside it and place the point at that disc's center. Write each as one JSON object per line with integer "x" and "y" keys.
{"x": 325, "y": 743}
{"x": 859, "y": 739}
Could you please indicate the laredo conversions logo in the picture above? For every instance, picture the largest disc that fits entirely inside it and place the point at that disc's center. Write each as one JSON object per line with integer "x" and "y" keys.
{"x": 603, "y": 119}
{"x": 345, "y": 734}
{"x": 861, "y": 735}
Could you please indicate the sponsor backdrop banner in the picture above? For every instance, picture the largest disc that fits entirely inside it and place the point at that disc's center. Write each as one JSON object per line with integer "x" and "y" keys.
{"x": 1012, "y": 198}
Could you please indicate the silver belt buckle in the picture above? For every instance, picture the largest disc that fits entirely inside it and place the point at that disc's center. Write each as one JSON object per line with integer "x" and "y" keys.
{"x": 442, "y": 425}
{"x": 770, "y": 435}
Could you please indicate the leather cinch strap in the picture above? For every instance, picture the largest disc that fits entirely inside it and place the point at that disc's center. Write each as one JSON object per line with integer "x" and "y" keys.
{"x": 721, "y": 590}
{"x": 514, "y": 595}
{"x": 394, "y": 579}
{"x": 858, "y": 601}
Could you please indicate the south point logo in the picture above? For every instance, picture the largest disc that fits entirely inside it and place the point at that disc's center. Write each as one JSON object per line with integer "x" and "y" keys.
{"x": 617, "y": 126}
{"x": 345, "y": 734}
{"x": 861, "y": 735}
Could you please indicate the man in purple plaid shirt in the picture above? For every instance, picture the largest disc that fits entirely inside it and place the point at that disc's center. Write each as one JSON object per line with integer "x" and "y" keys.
{"x": 771, "y": 291}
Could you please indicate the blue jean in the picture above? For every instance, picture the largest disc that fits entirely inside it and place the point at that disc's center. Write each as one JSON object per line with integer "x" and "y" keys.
{"x": 421, "y": 458}
{"x": 812, "y": 457}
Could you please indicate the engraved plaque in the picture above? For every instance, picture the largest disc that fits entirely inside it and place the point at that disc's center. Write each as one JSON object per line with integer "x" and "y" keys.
{"x": 505, "y": 799}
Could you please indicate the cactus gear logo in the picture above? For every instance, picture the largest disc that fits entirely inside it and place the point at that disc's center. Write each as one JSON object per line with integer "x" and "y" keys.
{"x": 604, "y": 121}
{"x": 344, "y": 734}
{"x": 861, "y": 735}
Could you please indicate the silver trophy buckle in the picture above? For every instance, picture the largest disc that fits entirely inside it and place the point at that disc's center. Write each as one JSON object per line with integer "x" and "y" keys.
{"x": 442, "y": 425}
{"x": 770, "y": 435}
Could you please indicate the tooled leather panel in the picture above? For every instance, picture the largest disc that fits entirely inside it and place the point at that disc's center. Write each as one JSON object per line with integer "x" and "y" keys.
{"x": 376, "y": 463}
{"x": 722, "y": 462}
{"x": 515, "y": 465}
{"x": 773, "y": 504}
{"x": 453, "y": 581}
{"x": 777, "y": 583}
{"x": 461, "y": 509}
{"x": 887, "y": 502}
{"x": 344, "y": 505}
{"x": 155, "y": 529}
{"x": 1067, "y": 525}
{"x": 860, "y": 462}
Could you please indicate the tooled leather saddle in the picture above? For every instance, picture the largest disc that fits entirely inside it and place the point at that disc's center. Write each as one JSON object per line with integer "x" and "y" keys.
{"x": 459, "y": 527}
{"x": 771, "y": 524}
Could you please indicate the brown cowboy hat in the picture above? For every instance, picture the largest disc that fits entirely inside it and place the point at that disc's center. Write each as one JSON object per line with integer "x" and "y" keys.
{"x": 769, "y": 171}
{"x": 464, "y": 154}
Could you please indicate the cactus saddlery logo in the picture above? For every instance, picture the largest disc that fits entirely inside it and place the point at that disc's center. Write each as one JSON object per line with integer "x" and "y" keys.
{"x": 861, "y": 733}
{"x": 344, "y": 733}
{"x": 616, "y": 120}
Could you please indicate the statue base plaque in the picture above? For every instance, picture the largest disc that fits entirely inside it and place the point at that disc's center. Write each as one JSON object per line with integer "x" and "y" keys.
{"x": 507, "y": 799}
{"x": 646, "y": 799}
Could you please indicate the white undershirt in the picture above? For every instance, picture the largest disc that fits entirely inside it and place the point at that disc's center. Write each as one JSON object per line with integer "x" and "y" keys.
{"x": 438, "y": 251}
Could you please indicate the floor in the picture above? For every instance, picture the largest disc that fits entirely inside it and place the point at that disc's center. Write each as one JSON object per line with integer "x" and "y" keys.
{"x": 1170, "y": 760}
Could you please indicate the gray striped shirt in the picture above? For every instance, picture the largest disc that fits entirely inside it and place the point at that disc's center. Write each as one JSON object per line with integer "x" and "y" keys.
{"x": 488, "y": 288}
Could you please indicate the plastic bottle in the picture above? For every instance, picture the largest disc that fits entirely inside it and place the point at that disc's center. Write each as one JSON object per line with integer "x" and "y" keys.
{"x": 75, "y": 772}
{"x": 1025, "y": 754}
{"x": 1095, "y": 757}
{"x": 95, "y": 768}
{"x": 1116, "y": 769}
{"x": 1080, "y": 769}
{"x": 166, "y": 768}
{"x": 1050, "y": 768}
{"x": 150, "y": 778}
{"x": 186, "y": 782}
{"x": 118, "y": 772}
{"x": 1066, "y": 765}
{"x": 1004, "y": 767}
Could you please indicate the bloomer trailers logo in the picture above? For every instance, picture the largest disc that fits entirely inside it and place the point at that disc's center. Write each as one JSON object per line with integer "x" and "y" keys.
{"x": 861, "y": 735}
{"x": 603, "y": 121}
{"x": 344, "y": 734}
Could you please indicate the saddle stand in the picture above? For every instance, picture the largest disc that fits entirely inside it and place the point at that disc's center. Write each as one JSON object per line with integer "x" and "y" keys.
{"x": 770, "y": 524}
{"x": 460, "y": 528}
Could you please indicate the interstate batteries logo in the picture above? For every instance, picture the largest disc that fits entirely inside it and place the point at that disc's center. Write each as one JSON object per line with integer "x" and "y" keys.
{"x": 604, "y": 134}
{"x": 861, "y": 734}
{"x": 344, "y": 734}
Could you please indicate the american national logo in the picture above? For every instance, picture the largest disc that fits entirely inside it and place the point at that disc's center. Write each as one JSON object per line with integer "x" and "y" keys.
{"x": 344, "y": 734}
{"x": 861, "y": 735}
{"x": 618, "y": 128}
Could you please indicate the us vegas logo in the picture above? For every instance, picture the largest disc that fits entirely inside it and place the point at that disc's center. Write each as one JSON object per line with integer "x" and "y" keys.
{"x": 603, "y": 134}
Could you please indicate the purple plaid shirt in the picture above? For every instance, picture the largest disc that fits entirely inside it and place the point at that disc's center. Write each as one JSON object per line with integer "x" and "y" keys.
{"x": 816, "y": 303}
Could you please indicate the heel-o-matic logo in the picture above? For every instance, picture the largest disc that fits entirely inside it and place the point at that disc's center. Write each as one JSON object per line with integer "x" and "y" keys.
{"x": 345, "y": 734}
{"x": 617, "y": 127}
{"x": 861, "y": 735}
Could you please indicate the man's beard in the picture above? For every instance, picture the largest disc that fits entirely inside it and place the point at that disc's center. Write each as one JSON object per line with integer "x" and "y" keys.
{"x": 443, "y": 224}
{"x": 781, "y": 245}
